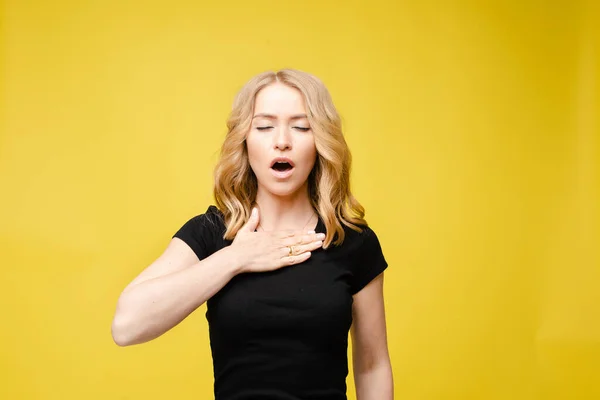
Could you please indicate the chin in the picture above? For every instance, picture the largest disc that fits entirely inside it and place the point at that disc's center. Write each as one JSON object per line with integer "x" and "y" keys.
{"x": 283, "y": 193}
{"x": 282, "y": 189}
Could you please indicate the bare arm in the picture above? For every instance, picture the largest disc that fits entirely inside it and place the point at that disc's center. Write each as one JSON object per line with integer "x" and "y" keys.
{"x": 371, "y": 361}
{"x": 170, "y": 289}
{"x": 177, "y": 283}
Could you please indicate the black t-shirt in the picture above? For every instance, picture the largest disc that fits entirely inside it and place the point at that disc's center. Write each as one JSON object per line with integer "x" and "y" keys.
{"x": 283, "y": 335}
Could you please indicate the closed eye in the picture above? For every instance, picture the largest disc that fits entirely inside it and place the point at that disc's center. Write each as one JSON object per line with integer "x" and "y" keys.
{"x": 300, "y": 128}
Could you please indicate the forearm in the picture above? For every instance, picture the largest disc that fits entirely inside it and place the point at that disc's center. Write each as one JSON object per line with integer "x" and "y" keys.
{"x": 148, "y": 309}
{"x": 375, "y": 383}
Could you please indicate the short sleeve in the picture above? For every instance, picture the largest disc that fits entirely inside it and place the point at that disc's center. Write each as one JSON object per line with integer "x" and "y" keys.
{"x": 368, "y": 262}
{"x": 201, "y": 232}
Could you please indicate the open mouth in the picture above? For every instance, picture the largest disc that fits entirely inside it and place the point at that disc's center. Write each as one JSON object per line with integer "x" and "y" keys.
{"x": 282, "y": 166}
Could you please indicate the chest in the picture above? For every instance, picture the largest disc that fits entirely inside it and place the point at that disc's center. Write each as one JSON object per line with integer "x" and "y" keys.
{"x": 312, "y": 298}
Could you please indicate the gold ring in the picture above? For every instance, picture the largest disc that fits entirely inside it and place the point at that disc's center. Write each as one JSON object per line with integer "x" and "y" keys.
{"x": 291, "y": 250}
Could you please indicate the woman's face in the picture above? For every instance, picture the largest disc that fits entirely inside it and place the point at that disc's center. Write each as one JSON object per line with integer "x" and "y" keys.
{"x": 281, "y": 146}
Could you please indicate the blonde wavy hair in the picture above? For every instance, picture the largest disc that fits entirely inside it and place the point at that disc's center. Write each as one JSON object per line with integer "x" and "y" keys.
{"x": 235, "y": 184}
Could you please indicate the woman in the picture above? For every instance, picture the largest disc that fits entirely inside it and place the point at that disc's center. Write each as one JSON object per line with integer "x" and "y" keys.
{"x": 285, "y": 260}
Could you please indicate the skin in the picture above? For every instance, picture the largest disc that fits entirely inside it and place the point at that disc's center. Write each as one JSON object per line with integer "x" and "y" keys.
{"x": 286, "y": 133}
{"x": 280, "y": 128}
{"x": 177, "y": 283}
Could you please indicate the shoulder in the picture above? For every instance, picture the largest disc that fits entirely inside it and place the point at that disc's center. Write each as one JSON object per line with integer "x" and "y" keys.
{"x": 364, "y": 255}
{"x": 212, "y": 217}
{"x": 358, "y": 241}
{"x": 210, "y": 223}
{"x": 203, "y": 232}
{"x": 364, "y": 234}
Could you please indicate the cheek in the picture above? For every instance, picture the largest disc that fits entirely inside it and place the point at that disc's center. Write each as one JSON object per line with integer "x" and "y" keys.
{"x": 309, "y": 152}
{"x": 255, "y": 150}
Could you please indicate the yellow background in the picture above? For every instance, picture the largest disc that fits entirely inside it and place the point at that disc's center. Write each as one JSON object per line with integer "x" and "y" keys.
{"x": 474, "y": 129}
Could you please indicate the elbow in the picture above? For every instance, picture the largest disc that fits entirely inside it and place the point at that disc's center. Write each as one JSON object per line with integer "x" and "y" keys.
{"x": 121, "y": 340}
{"x": 121, "y": 333}
{"x": 123, "y": 328}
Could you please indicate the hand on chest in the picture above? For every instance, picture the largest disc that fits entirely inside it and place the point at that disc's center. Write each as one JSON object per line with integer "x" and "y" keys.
{"x": 309, "y": 298}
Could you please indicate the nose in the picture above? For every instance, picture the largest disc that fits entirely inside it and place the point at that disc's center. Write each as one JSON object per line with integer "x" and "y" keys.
{"x": 283, "y": 139}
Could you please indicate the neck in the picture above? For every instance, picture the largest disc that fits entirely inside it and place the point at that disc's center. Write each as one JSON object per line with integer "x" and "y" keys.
{"x": 291, "y": 212}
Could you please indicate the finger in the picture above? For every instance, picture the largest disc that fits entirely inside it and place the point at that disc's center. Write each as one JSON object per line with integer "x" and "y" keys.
{"x": 285, "y": 234}
{"x": 288, "y": 251}
{"x": 294, "y": 250}
{"x": 314, "y": 245}
{"x": 296, "y": 239}
{"x": 252, "y": 223}
{"x": 299, "y": 238}
{"x": 296, "y": 259}
{"x": 307, "y": 247}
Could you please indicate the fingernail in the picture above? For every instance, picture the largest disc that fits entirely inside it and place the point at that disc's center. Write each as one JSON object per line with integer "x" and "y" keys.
{"x": 254, "y": 212}
{"x": 311, "y": 232}
{"x": 321, "y": 236}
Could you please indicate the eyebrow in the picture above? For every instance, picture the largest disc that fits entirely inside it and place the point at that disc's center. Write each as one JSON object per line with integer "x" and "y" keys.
{"x": 271, "y": 116}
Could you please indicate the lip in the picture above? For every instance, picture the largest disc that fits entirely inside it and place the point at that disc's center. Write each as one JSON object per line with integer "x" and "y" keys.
{"x": 282, "y": 174}
{"x": 282, "y": 159}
